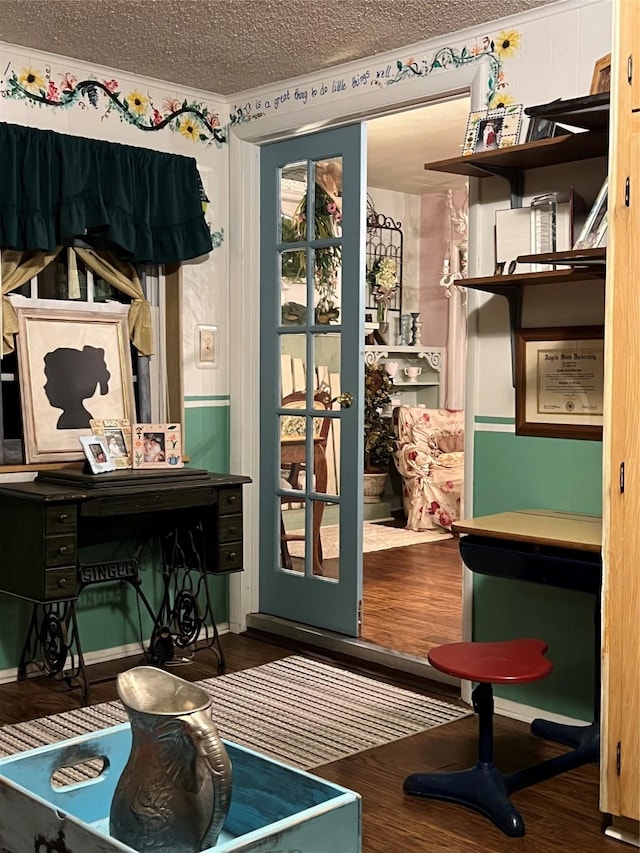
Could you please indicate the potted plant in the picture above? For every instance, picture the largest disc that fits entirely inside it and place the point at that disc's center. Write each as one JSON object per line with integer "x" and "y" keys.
{"x": 327, "y": 260}
{"x": 379, "y": 437}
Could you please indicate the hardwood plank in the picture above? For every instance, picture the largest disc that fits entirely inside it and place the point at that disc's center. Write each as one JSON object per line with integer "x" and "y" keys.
{"x": 413, "y": 597}
{"x": 559, "y": 814}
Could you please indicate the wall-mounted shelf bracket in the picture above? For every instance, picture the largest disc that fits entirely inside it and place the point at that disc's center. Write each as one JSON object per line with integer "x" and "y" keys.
{"x": 514, "y": 177}
{"x": 514, "y": 300}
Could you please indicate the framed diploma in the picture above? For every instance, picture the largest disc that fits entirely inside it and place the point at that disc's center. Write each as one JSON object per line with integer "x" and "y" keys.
{"x": 560, "y": 382}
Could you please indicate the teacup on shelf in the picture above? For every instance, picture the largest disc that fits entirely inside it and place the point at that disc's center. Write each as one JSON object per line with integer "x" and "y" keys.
{"x": 413, "y": 373}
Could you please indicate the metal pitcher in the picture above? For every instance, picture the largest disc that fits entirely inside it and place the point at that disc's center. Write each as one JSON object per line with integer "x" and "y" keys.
{"x": 174, "y": 792}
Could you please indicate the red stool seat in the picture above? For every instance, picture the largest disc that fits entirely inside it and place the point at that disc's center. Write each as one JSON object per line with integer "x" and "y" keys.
{"x": 508, "y": 662}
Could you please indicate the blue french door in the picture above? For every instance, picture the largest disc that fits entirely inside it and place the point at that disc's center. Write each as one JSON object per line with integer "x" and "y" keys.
{"x": 312, "y": 209}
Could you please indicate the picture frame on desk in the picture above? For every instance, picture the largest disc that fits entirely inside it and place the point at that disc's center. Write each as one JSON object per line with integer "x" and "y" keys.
{"x": 156, "y": 446}
{"x": 117, "y": 433}
{"x": 97, "y": 453}
{"x": 75, "y": 366}
{"x": 560, "y": 382}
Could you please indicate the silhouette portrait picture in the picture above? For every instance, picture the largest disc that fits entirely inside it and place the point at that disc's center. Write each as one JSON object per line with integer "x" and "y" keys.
{"x": 72, "y": 377}
{"x": 75, "y": 367}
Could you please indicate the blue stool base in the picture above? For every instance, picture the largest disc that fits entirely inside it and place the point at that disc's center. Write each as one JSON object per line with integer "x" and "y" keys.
{"x": 481, "y": 788}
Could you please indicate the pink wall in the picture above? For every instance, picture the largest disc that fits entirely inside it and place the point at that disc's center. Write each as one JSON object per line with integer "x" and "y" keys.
{"x": 434, "y": 248}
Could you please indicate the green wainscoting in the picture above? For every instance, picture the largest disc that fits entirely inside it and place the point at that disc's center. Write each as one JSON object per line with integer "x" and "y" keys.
{"x": 207, "y": 433}
{"x": 518, "y": 472}
{"x": 108, "y": 614}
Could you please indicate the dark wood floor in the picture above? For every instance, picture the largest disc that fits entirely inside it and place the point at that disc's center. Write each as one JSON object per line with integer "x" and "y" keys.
{"x": 560, "y": 815}
{"x": 413, "y": 597}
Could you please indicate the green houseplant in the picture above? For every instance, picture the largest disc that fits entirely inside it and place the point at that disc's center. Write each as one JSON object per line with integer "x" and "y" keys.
{"x": 327, "y": 260}
{"x": 379, "y": 437}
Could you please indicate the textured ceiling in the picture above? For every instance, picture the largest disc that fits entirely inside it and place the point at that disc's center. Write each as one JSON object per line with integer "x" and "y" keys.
{"x": 227, "y": 46}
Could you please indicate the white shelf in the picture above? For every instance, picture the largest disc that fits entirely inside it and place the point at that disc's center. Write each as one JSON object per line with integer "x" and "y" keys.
{"x": 407, "y": 386}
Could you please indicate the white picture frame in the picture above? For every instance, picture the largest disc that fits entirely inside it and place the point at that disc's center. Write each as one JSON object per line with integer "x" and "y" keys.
{"x": 97, "y": 453}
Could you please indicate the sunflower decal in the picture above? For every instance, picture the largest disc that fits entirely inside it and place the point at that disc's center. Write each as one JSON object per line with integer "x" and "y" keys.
{"x": 507, "y": 43}
{"x": 138, "y": 103}
{"x": 501, "y": 101}
{"x": 32, "y": 80}
{"x": 189, "y": 128}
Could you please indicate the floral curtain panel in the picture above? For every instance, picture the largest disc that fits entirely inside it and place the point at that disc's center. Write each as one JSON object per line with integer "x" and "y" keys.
{"x": 54, "y": 187}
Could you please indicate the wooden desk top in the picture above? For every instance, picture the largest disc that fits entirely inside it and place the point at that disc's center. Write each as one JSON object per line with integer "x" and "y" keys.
{"x": 539, "y": 527}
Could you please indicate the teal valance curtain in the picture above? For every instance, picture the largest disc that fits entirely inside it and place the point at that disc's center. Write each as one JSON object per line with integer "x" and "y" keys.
{"x": 55, "y": 187}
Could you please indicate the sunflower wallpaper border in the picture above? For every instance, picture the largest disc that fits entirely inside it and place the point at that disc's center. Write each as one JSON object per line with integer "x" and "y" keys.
{"x": 39, "y": 86}
{"x": 494, "y": 49}
{"x": 504, "y": 46}
{"x": 197, "y": 123}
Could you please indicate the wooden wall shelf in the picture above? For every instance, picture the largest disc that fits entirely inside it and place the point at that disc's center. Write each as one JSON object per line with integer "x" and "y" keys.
{"x": 504, "y": 283}
{"x": 573, "y": 257}
{"x": 530, "y": 155}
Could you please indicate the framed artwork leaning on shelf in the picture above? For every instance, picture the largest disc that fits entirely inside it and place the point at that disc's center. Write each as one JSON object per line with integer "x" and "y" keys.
{"x": 488, "y": 130}
{"x": 560, "y": 382}
{"x": 601, "y": 80}
{"x": 594, "y": 230}
{"x": 74, "y": 366}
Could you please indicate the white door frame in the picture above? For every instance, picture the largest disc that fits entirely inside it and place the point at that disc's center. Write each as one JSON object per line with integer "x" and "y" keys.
{"x": 244, "y": 290}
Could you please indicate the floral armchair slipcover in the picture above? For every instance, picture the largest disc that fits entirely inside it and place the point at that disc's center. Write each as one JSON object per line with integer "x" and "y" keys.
{"x": 430, "y": 459}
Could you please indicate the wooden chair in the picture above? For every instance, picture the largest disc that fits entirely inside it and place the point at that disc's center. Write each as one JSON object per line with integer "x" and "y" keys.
{"x": 293, "y": 462}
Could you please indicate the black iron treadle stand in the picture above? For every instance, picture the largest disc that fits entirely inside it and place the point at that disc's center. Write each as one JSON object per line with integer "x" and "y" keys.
{"x": 185, "y": 613}
{"x": 52, "y": 638}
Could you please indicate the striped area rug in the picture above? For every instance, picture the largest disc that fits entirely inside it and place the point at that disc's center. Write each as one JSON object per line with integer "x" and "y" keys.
{"x": 297, "y": 710}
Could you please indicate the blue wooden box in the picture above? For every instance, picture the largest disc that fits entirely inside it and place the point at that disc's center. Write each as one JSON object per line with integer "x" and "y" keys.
{"x": 274, "y": 808}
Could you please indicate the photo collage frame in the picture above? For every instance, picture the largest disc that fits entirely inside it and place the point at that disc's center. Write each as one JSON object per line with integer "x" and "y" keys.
{"x": 115, "y": 444}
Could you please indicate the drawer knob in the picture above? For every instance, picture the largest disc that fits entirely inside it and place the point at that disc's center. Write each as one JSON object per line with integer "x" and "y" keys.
{"x": 63, "y": 582}
{"x": 233, "y": 530}
{"x": 62, "y": 549}
{"x": 63, "y": 517}
{"x": 233, "y": 499}
{"x": 231, "y": 555}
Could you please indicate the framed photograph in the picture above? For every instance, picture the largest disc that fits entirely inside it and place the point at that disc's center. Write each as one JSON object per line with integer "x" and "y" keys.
{"x": 542, "y": 128}
{"x": 156, "y": 446}
{"x": 601, "y": 80}
{"x": 117, "y": 434}
{"x": 594, "y": 230}
{"x": 560, "y": 382}
{"x": 488, "y": 130}
{"x": 206, "y": 347}
{"x": 97, "y": 453}
{"x": 74, "y": 366}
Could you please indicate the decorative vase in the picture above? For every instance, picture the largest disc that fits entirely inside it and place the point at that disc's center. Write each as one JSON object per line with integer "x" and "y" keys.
{"x": 174, "y": 792}
{"x": 416, "y": 328}
{"x": 405, "y": 330}
{"x": 374, "y": 487}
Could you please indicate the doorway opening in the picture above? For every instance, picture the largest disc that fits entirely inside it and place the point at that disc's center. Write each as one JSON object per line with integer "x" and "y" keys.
{"x": 412, "y": 594}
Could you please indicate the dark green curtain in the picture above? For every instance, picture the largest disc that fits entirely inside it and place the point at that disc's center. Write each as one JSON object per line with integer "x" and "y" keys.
{"x": 55, "y": 187}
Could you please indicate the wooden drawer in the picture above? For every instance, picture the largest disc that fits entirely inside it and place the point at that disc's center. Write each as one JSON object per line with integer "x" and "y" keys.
{"x": 230, "y": 528}
{"x": 230, "y": 501}
{"x": 60, "y": 550}
{"x": 61, "y": 583}
{"x": 230, "y": 558}
{"x": 60, "y": 518}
